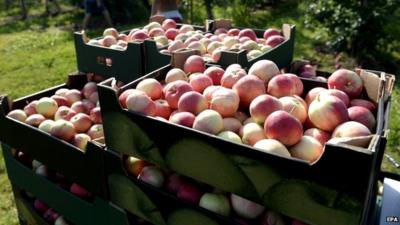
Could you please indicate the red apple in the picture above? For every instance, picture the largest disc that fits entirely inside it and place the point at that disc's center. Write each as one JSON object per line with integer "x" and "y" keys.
{"x": 194, "y": 64}
{"x": 31, "y": 108}
{"x": 232, "y": 75}
{"x": 200, "y": 82}
{"x": 135, "y": 166}
{"x": 111, "y": 31}
{"x": 189, "y": 192}
{"x": 64, "y": 113}
{"x": 231, "y": 124}
{"x": 162, "y": 108}
{"x": 282, "y": 126}
{"x": 208, "y": 121}
{"x": 50, "y": 215}
{"x": 174, "y": 75}
{"x": 183, "y": 118}
{"x": 295, "y": 106}
{"x": 61, "y": 101}
{"x": 251, "y": 133}
{"x": 346, "y": 81}
{"x": 79, "y": 191}
{"x": 95, "y": 115}
{"x": 262, "y": 106}
{"x": 233, "y": 32}
{"x": 337, "y": 93}
{"x": 141, "y": 103}
{"x": 327, "y": 113}
{"x": 248, "y": 88}
{"x": 363, "y": 116}
{"x": 275, "y": 40}
{"x": 35, "y": 119}
{"x": 174, "y": 182}
{"x": 151, "y": 87}
{"x": 80, "y": 141}
{"x": 364, "y": 103}
{"x": 313, "y": 93}
{"x": 88, "y": 89}
{"x": 79, "y": 107}
{"x": 248, "y": 33}
{"x": 215, "y": 73}
{"x": 40, "y": 206}
{"x": 270, "y": 32}
{"x": 72, "y": 96}
{"x": 81, "y": 122}
{"x": 224, "y": 101}
{"x": 174, "y": 90}
{"x": 171, "y": 33}
{"x": 285, "y": 85}
{"x": 168, "y": 24}
{"x": 272, "y": 146}
{"x": 318, "y": 134}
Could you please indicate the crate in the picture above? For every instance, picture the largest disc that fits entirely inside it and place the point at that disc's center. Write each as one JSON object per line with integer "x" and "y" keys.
{"x": 84, "y": 168}
{"x": 152, "y": 204}
{"x": 127, "y": 65}
{"x": 240, "y": 169}
{"x": 74, "y": 209}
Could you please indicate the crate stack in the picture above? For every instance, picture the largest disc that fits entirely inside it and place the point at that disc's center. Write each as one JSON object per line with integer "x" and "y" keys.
{"x": 95, "y": 185}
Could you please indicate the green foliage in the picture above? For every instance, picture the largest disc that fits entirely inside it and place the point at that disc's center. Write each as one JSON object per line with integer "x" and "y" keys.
{"x": 356, "y": 27}
{"x": 124, "y": 11}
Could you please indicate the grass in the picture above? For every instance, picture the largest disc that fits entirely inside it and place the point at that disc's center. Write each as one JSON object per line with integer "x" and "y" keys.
{"x": 39, "y": 53}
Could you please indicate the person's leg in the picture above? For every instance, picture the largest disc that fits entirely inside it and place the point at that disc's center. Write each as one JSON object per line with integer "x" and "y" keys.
{"x": 86, "y": 20}
{"x": 57, "y": 6}
{"x": 107, "y": 16}
{"x": 46, "y": 7}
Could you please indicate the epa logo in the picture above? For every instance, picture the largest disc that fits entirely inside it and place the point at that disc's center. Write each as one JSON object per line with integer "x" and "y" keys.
{"x": 392, "y": 219}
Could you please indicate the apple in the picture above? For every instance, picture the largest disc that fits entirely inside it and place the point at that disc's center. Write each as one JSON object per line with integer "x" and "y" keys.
{"x": 139, "y": 35}
{"x": 248, "y": 88}
{"x": 96, "y": 131}
{"x": 108, "y": 40}
{"x": 95, "y": 115}
{"x": 80, "y": 141}
{"x": 151, "y": 87}
{"x": 111, "y": 31}
{"x": 18, "y": 114}
{"x": 327, "y": 113}
{"x": 262, "y": 106}
{"x": 192, "y": 102}
{"x": 308, "y": 148}
{"x": 43, "y": 171}
{"x": 313, "y": 93}
{"x": 200, "y": 82}
{"x": 346, "y": 81}
{"x": 79, "y": 107}
{"x": 282, "y": 126}
{"x": 363, "y": 116}
{"x": 174, "y": 90}
{"x": 272, "y": 146}
{"x": 174, "y": 182}
{"x": 318, "y": 134}
{"x": 337, "y": 93}
{"x": 174, "y": 75}
{"x": 208, "y": 121}
{"x": 189, "y": 192}
{"x": 186, "y": 28}
{"x": 233, "y": 32}
{"x": 364, "y": 103}
{"x": 230, "y": 136}
{"x": 135, "y": 166}
{"x": 123, "y": 37}
{"x": 72, "y": 96}
{"x": 156, "y": 32}
{"x": 224, "y": 101}
{"x": 270, "y": 32}
{"x": 40, "y": 206}
{"x": 232, "y": 75}
{"x": 231, "y": 124}
{"x": 295, "y": 106}
{"x": 168, "y": 24}
{"x": 215, "y": 73}
{"x": 246, "y": 208}
{"x": 351, "y": 129}
{"x": 79, "y": 191}
{"x": 152, "y": 175}
{"x": 61, "y": 101}
{"x": 217, "y": 203}
{"x": 271, "y": 218}
{"x": 64, "y": 113}
{"x": 50, "y": 215}
{"x": 194, "y": 64}
{"x": 162, "y": 108}
{"x": 275, "y": 40}
{"x": 183, "y": 118}
{"x": 171, "y": 33}
{"x": 30, "y": 108}
{"x": 63, "y": 129}
{"x": 47, "y": 107}
{"x": 141, "y": 103}
{"x": 251, "y": 133}
{"x": 264, "y": 69}
{"x": 248, "y": 33}
{"x": 35, "y": 119}
{"x": 61, "y": 221}
{"x": 285, "y": 85}
{"x": 46, "y": 126}
{"x": 81, "y": 122}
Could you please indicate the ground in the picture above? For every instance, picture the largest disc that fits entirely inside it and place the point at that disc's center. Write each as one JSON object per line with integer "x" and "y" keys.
{"x": 39, "y": 53}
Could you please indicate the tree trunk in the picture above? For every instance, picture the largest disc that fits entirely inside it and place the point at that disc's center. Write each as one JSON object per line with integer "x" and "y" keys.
{"x": 23, "y": 9}
{"x": 207, "y": 3}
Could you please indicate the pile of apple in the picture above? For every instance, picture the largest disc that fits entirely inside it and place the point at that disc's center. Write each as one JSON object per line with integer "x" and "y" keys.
{"x": 70, "y": 114}
{"x": 262, "y": 108}
{"x": 162, "y": 34}
{"x": 48, "y": 214}
{"x": 210, "y": 45}
{"x": 242, "y": 210}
